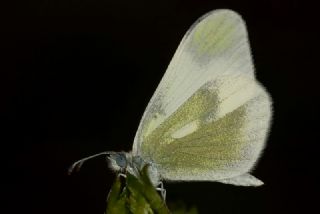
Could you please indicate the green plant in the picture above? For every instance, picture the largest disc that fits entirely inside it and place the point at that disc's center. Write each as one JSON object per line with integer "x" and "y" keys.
{"x": 137, "y": 195}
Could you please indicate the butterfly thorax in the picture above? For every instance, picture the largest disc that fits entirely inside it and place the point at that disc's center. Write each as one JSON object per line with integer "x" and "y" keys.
{"x": 124, "y": 162}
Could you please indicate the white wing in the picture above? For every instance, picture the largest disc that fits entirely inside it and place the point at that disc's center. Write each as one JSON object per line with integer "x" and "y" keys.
{"x": 209, "y": 117}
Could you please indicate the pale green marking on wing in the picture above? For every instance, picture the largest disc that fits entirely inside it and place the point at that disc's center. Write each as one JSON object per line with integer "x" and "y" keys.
{"x": 197, "y": 105}
{"x": 221, "y": 35}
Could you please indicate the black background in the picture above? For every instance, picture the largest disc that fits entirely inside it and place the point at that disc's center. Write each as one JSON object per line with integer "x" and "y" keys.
{"x": 78, "y": 75}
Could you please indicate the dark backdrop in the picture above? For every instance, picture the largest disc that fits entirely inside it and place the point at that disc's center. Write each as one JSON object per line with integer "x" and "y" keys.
{"x": 78, "y": 75}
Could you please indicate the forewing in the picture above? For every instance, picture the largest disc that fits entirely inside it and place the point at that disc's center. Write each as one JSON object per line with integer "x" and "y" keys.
{"x": 208, "y": 116}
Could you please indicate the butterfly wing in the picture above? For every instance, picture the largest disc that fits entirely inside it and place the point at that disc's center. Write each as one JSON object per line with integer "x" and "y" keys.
{"x": 209, "y": 117}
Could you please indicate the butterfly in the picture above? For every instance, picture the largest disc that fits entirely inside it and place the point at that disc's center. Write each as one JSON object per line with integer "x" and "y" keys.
{"x": 209, "y": 117}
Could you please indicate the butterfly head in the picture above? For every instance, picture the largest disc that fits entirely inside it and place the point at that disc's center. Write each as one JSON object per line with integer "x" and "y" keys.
{"x": 124, "y": 162}
{"x": 118, "y": 161}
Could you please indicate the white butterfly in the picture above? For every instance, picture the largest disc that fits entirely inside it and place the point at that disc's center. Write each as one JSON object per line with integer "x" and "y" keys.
{"x": 209, "y": 117}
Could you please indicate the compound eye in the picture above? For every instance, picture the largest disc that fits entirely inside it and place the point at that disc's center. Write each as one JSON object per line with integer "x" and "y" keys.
{"x": 121, "y": 160}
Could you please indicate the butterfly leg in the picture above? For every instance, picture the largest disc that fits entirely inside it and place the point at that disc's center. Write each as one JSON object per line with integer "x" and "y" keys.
{"x": 162, "y": 190}
{"x": 120, "y": 174}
